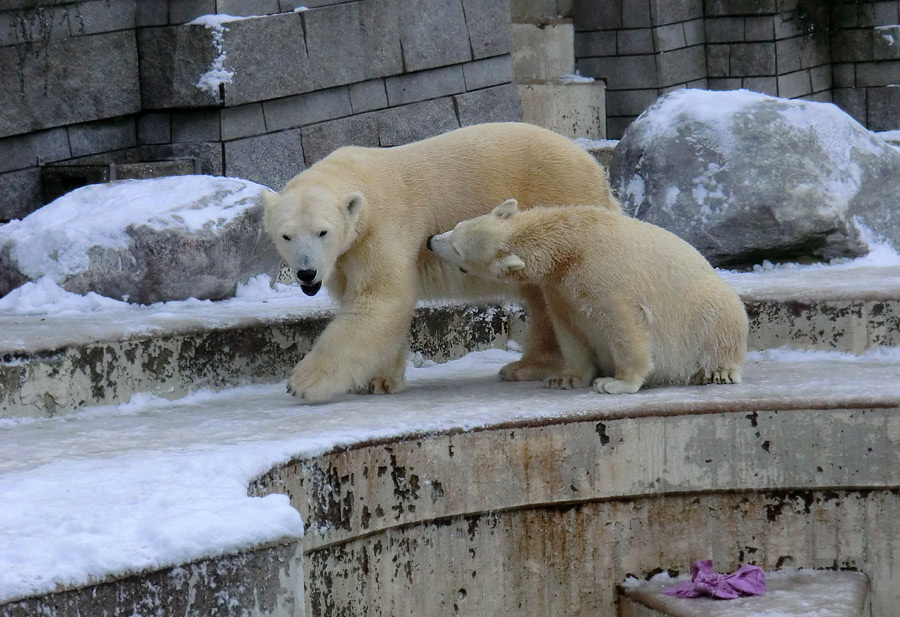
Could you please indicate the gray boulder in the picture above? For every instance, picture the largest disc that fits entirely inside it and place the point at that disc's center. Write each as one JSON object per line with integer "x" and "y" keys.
{"x": 745, "y": 177}
{"x": 144, "y": 241}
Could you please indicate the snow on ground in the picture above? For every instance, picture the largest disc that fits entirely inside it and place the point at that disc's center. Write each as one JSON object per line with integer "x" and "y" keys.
{"x": 173, "y": 476}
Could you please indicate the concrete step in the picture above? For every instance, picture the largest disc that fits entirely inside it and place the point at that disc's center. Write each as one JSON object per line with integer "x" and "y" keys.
{"x": 790, "y": 593}
{"x": 57, "y": 364}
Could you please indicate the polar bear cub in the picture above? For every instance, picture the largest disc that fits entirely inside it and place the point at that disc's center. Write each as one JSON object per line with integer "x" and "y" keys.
{"x": 631, "y": 303}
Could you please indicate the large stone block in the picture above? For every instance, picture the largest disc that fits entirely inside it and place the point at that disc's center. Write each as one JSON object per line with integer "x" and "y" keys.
{"x": 296, "y": 111}
{"x": 267, "y": 56}
{"x": 33, "y": 24}
{"x": 852, "y": 101}
{"x": 270, "y": 159}
{"x": 635, "y": 41}
{"x": 681, "y": 65}
{"x": 623, "y": 72}
{"x": 250, "y": 7}
{"x": 367, "y": 47}
{"x": 368, "y": 96}
{"x": 102, "y": 136}
{"x": 878, "y": 73}
{"x": 794, "y": 85}
{"x": 243, "y": 121}
{"x": 629, "y": 102}
{"x": 66, "y": 81}
{"x": 884, "y": 109}
{"x": 886, "y": 43}
{"x": 21, "y": 193}
{"x": 32, "y": 149}
{"x": 97, "y": 16}
{"x": 431, "y": 84}
{"x": 597, "y": 43}
{"x": 669, "y": 37}
{"x": 488, "y": 72}
{"x": 172, "y": 61}
{"x": 402, "y": 125}
{"x": 764, "y": 85}
{"x": 752, "y": 59}
{"x": 665, "y": 12}
{"x": 497, "y": 104}
{"x": 636, "y": 14}
{"x": 435, "y": 34}
{"x": 183, "y": 11}
{"x": 852, "y": 46}
{"x": 489, "y": 28}
{"x": 724, "y": 29}
{"x": 320, "y": 140}
{"x": 606, "y": 15}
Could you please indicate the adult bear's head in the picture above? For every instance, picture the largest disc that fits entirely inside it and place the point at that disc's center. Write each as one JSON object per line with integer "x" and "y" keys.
{"x": 312, "y": 226}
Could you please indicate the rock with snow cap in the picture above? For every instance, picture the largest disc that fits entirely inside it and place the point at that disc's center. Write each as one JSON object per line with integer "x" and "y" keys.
{"x": 745, "y": 177}
{"x": 144, "y": 241}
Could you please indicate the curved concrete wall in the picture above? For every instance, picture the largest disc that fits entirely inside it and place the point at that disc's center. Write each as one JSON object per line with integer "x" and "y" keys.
{"x": 548, "y": 519}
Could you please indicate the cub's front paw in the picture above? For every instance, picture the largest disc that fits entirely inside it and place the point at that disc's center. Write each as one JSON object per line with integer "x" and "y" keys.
{"x": 308, "y": 384}
{"x": 566, "y": 382}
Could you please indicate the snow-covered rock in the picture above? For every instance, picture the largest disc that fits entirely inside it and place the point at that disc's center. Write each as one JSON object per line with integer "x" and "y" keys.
{"x": 743, "y": 176}
{"x": 143, "y": 241}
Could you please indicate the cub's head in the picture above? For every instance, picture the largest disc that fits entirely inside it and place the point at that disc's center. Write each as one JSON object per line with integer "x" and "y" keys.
{"x": 312, "y": 227}
{"x": 479, "y": 245}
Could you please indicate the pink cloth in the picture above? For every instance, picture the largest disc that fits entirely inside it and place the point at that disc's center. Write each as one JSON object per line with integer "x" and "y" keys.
{"x": 745, "y": 581}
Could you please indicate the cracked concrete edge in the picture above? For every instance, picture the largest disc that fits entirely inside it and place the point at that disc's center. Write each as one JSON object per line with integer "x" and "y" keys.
{"x": 266, "y": 581}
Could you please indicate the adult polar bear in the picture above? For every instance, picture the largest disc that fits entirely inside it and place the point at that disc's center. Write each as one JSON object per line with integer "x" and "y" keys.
{"x": 358, "y": 220}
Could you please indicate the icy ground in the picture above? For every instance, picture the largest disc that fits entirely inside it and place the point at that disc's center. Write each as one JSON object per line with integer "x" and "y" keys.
{"x": 154, "y": 483}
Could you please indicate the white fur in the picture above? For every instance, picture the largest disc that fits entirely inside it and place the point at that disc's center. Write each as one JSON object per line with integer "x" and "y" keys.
{"x": 373, "y": 258}
{"x": 630, "y": 302}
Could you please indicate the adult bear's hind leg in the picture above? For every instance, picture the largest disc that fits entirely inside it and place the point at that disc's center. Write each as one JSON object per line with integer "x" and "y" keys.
{"x": 541, "y": 358}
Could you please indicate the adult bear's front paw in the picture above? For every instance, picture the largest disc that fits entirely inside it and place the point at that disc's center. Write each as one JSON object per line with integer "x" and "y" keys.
{"x": 525, "y": 371}
{"x": 383, "y": 385}
{"x": 311, "y": 385}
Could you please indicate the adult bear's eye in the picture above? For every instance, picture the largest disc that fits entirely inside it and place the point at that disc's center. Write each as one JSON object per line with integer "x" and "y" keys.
{"x": 286, "y": 237}
{"x": 323, "y": 233}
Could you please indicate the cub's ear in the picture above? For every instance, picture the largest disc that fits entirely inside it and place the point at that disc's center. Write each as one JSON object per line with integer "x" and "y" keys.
{"x": 506, "y": 209}
{"x": 353, "y": 203}
{"x": 509, "y": 264}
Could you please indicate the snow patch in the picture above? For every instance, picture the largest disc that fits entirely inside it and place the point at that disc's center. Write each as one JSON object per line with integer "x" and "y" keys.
{"x": 217, "y": 75}
{"x": 574, "y": 78}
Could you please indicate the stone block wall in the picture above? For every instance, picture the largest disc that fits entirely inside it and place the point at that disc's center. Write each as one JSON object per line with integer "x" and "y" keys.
{"x": 845, "y": 51}
{"x": 116, "y": 81}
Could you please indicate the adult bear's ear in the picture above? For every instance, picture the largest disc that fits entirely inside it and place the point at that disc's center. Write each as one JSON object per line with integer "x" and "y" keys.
{"x": 506, "y": 209}
{"x": 509, "y": 264}
{"x": 353, "y": 203}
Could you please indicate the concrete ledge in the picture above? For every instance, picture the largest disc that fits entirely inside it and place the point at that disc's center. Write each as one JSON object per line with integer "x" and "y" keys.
{"x": 265, "y": 582}
{"x": 58, "y": 365}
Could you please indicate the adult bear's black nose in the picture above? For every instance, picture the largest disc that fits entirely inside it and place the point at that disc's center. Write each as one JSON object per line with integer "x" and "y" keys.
{"x": 306, "y": 276}
{"x": 428, "y": 243}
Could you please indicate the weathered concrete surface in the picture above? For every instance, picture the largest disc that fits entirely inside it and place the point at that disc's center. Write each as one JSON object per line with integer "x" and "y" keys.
{"x": 266, "y": 582}
{"x": 551, "y": 517}
{"x": 57, "y": 365}
{"x": 790, "y": 592}
{"x": 40, "y": 379}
